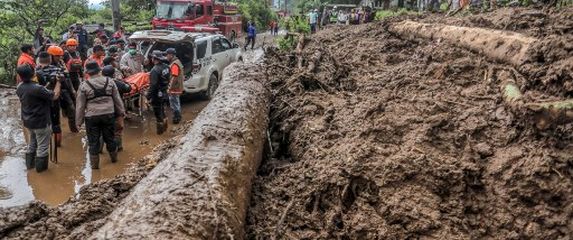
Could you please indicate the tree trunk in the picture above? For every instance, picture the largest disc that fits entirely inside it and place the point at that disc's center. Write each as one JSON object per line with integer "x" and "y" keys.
{"x": 202, "y": 189}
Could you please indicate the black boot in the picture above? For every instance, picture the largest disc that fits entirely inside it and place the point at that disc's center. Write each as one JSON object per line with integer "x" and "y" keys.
{"x": 30, "y": 160}
{"x": 94, "y": 160}
{"x": 161, "y": 127}
{"x": 113, "y": 156}
{"x": 41, "y": 164}
{"x": 119, "y": 143}
{"x": 176, "y": 117}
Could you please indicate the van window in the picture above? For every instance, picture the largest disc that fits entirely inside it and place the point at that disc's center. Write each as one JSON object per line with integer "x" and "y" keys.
{"x": 226, "y": 44}
{"x": 217, "y": 46}
{"x": 209, "y": 10}
{"x": 201, "y": 49}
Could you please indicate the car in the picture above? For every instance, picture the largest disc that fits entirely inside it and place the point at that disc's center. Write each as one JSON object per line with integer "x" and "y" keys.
{"x": 204, "y": 56}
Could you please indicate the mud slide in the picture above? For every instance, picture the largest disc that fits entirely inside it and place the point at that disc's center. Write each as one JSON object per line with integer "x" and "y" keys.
{"x": 498, "y": 45}
{"x": 202, "y": 189}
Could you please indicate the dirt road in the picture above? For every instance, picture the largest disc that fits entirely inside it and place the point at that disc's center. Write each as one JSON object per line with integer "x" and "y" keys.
{"x": 64, "y": 179}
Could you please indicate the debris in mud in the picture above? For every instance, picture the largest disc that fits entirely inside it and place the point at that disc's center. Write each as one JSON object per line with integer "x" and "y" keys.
{"x": 386, "y": 138}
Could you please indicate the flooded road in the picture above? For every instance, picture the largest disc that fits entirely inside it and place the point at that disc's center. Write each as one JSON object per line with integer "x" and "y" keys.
{"x": 64, "y": 179}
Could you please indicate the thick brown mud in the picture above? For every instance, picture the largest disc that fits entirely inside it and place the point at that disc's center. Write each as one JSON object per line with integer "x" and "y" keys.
{"x": 380, "y": 137}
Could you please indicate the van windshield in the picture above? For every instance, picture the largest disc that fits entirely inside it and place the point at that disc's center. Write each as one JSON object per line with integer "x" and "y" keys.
{"x": 178, "y": 10}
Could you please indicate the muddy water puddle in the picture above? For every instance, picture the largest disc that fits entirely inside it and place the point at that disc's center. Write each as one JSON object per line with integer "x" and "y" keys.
{"x": 65, "y": 178}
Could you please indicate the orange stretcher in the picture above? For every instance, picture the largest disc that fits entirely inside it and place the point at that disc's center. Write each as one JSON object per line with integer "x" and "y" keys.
{"x": 135, "y": 101}
{"x": 138, "y": 82}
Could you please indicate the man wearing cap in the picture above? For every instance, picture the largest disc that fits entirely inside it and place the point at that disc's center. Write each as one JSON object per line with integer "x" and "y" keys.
{"x": 98, "y": 104}
{"x": 132, "y": 61}
{"x": 82, "y": 35}
{"x": 159, "y": 77}
{"x": 35, "y": 103}
{"x": 175, "y": 84}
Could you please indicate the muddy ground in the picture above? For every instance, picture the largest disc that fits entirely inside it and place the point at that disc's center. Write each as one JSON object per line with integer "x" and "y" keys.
{"x": 376, "y": 137}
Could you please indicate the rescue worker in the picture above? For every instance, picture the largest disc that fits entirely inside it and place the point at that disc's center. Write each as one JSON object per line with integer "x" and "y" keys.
{"x": 68, "y": 95}
{"x": 109, "y": 71}
{"x": 98, "y": 104}
{"x": 159, "y": 77}
{"x": 98, "y": 55}
{"x": 35, "y": 102}
{"x": 82, "y": 35}
{"x": 74, "y": 63}
{"x": 132, "y": 61}
{"x": 112, "y": 62}
{"x": 176, "y": 83}
{"x": 45, "y": 73}
{"x": 26, "y": 57}
{"x": 251, "y": 35}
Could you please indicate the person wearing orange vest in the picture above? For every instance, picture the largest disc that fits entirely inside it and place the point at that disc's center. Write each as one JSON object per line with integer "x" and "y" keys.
{"x": 175, "y": 84}
{"x": 68, "y": 94}
{"x": 74, "y": 63}
{"x": 98, "y": 55}
{"x": 27, "y": 57}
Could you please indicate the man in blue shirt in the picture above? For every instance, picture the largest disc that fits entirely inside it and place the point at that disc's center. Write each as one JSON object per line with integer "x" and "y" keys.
{"x": 251, "y": 35}
{"x": 313, "y": 19}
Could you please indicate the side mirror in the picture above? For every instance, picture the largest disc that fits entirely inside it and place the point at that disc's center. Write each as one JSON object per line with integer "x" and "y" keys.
{"x": 236, "y": 45}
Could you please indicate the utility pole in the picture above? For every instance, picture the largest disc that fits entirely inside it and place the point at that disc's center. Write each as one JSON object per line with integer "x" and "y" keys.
{"x": 115, "y": 14}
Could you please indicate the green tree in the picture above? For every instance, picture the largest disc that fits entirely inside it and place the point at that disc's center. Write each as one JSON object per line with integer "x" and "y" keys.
{"x": 19, "y": 20}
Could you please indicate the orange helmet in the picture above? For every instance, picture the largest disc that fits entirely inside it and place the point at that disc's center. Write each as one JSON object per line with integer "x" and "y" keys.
{"x": 55, "y": 51}
{"x": 71, "y": 42}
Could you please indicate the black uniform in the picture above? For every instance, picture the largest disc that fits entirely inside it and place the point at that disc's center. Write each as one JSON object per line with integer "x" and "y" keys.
{"x": 159, "y": 82}
{"x": 68, "y": 100}
{"x": 49, "y": 74}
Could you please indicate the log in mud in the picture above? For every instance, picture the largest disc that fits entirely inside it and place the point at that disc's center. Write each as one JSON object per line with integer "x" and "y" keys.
{"x": 498, "y": 45}
{"x": 202, "y": 189}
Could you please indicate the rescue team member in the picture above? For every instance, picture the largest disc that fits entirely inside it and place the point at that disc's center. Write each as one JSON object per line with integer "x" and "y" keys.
{"x": 68, "y": 95}
{"x": 74, "y": 63}
{"x": 35, "y": 102}
{"x": 98, "y": 55}
{"x": 251, "y": 35}
{"x": 112, "y": 62}
{"x": 46, "y": 74}
{"x": 83, "y": 36}
{"x": 159, "y": 82}
{"x": 131, "y": 62}
{"x": 109, "y": 71}
{"x": 98, "y": 103}
{"x": 176, "y": 83}
{"x": 26, "y": 57}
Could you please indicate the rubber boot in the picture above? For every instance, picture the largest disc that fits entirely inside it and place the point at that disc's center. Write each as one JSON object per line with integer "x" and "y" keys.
{"x": 94, "y": 160}
{"x": 176, "y": 117}
{"x": 101, "y": 143}
{"x": 58, "y": 137}
{"x": 161, "y": 127}
{"x": 41, "y": 164}
{"x": 113, "y": 156}
{"x": 30, "y": 160}
{"x": 119, "y": 143}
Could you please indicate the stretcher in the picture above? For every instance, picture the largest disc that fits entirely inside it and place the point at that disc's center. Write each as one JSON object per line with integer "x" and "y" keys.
{"x": 135, "y": 101}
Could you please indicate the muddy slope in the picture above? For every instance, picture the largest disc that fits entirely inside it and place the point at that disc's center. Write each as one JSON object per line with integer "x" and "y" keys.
{"x": 376, "y": 137}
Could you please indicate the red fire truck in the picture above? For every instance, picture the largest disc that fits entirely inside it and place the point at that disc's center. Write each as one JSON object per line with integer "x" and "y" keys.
{"x": 198, "y": 16}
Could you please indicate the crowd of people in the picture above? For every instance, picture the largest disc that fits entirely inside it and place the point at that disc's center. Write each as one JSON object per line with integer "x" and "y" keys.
{"x": 83, "y": 81}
